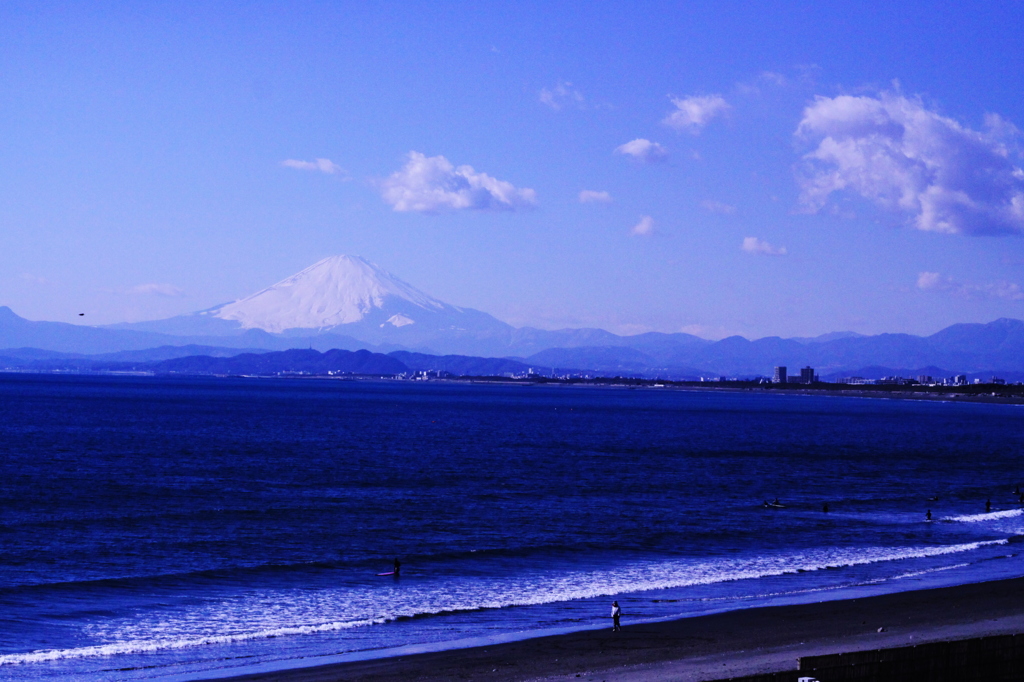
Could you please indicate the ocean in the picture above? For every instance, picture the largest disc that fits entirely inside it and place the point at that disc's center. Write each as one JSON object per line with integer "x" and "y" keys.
{"x": 186, "y": 528}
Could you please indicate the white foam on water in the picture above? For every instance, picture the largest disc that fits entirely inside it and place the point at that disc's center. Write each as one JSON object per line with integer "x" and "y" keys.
{"x": 270, "y": 614}
{"x": 991, "y": 516}
{"x": 140, "y": 647}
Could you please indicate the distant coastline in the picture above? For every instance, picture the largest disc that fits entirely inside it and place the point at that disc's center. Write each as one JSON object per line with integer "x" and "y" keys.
{"x": 1009, "y": 394}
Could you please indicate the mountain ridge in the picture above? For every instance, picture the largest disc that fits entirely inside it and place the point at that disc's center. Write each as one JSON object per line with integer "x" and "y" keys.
{"x": 348, "y": 303}
{"x": 997, "y": 346}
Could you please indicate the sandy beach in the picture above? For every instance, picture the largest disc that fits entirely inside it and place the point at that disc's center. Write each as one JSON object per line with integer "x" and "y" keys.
{"x": 711, "y": 647}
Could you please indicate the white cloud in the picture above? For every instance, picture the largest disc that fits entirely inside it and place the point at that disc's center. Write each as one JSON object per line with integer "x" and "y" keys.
{"x": 322, "y": 165}
{"x": 706, "y": 331}
{"x": 433, "y": 184}
{"x": 937, "y": 283}
{"x": 693, "y": 113}
{"x": 561, "y": 95}
{"x": 590, "y": 196}
{"x": 155, "y": 289}
{"x": 762, "y": 248}
{"x": 718, "y": 207}
{"x": 644, "y": 228}
{"x": 643, "y": 150}
{"x": 891, "y": 150}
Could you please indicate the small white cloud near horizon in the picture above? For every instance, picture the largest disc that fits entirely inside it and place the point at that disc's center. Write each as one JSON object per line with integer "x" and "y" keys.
{"x": 561, "y": 95}
{"x": 643, "y": 150}
{"x": 432, "y": 184}
{"x": 705, "y": 331}
{"x": 321, "y": 165}
{"x": 762, "y": 248}
{"x": 157, "y": 289}
{"x": 694, "y": 113}
{"x": 590, "y": 196}
{"x": 718, "y": 207}
{"x": 644, "y": 228}
{"x": 935, "y": 282}
{"x": 891, "y": 150}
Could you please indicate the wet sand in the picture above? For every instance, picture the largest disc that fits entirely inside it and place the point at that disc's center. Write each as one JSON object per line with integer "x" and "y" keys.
{"x": 707, "y": 647}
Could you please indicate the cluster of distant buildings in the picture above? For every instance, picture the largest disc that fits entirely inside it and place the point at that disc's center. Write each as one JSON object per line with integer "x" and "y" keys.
{"x": 781, "y": 375}
{"x": 807, "y": 376}
{"x": 921, "y": 380}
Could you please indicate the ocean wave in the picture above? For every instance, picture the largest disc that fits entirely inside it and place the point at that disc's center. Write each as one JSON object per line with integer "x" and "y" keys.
{"x": 297, "y": 613}
{"x": 141, "y": 647}
{"x": 990, "y": 516}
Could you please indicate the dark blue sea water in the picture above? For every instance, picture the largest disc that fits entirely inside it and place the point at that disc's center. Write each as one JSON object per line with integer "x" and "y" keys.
{"x": 179, "y": 529}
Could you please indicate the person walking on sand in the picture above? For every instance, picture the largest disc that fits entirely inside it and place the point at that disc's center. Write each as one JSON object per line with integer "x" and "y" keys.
{"x": 616, "y": 614}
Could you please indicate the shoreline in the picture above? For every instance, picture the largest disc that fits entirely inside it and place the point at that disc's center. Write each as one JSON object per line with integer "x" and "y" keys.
{"x": 704, "y": 648}
{"x": 980, "y": 393}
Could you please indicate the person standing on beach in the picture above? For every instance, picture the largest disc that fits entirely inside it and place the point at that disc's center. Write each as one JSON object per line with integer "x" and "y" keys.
{"x": 616, "y": 614}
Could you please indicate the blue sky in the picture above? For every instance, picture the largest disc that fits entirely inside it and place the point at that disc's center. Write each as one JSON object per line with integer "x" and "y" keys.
{"x": 751, "y": 168}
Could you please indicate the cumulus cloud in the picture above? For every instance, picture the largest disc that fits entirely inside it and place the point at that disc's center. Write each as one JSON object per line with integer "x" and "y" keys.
{"x": 718, "y": 207}
{"x": 432, "y": 184}
{"x": 693, "y": 113}
{"x": 590, "y": 196}
{"x": 938, "y": 283}
{"x": 322, "y": 165}
{"x": 561, "y": 95}
{"x": 891, "y": 150}
{"x": 761, "y": 247}
{"x": 644, "y": 228}
{"x": 643, "y": 150}
{"x": 156, "y": 289}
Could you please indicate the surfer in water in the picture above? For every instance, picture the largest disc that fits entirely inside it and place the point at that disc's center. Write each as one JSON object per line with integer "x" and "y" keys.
{"x": 398, "y": 567}
{"x": 988, "y": 506}
{"x": 928, "y": 516}
{"x": 616, "y": 614}
{"x": 824, "y": 507}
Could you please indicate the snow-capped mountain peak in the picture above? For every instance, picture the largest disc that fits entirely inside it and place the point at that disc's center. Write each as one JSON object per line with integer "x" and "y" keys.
{"x": 337, "y": 290}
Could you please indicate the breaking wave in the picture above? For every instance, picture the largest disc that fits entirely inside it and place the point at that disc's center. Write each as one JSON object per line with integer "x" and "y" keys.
{"x": 300, "y": 613}
{"x": 991, "y": 516}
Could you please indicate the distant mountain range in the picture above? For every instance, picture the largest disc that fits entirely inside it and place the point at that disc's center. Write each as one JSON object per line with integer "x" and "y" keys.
{"x": 347, "y": 303}
{"x": 298, "y": 361}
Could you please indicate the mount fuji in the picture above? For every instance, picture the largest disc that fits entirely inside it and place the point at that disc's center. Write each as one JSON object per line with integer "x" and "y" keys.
{"x": 335, "y": 291}
{"x": 346, "y": 295}
{"x": 349, "y": 303}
